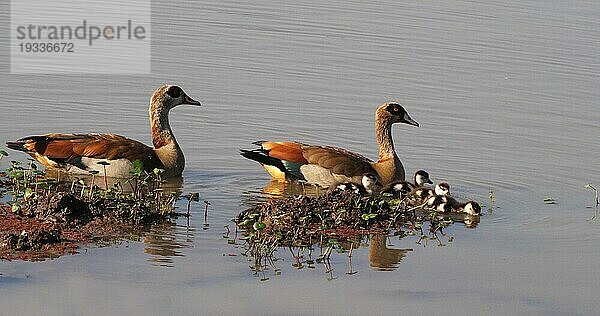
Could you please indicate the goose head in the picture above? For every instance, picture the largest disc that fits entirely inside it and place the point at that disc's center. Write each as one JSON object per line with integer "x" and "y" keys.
{"x": 472, "y": 208}
{"x": 162, "y": 101}
{"x": 371, "y": 183}
{"x": 170, "y": 96}
{"x": 421, "y": 178}
{"x": 403, "y": 188}
{"x": 393, "y": 112}
{"x": 442, "y": 188}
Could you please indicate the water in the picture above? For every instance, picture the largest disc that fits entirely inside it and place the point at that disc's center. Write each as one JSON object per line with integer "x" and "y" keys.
{"x": 506, "y": 96}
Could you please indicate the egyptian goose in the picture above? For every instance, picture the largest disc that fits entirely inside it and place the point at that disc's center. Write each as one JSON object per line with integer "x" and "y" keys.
{"x": 325, "y": 166}
{"x": 447, "y": 204}
{"x": 402, "y": 188}
{"x": 369, "y": 185}
{"x": 422, "y": 194}
{"x": 471, "y": 208}
{"x": 442, "y": 188}
{"x": 82, "y": 153}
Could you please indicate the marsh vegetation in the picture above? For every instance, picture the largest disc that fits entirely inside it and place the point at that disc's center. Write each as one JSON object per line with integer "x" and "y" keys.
{"x": 46, "y": 217}
{"x": 338, "y": 221}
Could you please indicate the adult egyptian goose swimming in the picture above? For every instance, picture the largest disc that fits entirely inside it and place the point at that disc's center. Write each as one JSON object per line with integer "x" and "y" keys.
{"x": 82, "y": 153}
{"x": 325, "y": 166}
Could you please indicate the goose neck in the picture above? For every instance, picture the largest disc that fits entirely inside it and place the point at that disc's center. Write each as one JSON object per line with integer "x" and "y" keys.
{"x": 159, "y": 123}
{"x": 384, "y": 139}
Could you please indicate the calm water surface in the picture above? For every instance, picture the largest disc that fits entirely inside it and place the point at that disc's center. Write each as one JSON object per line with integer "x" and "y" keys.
{"x": 506, "y": 95}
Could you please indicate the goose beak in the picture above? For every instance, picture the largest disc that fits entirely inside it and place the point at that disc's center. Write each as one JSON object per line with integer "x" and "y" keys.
{"x": 428, "y": 180}
{"x": 408, "y": 120}
{"x": 188, "y": 100}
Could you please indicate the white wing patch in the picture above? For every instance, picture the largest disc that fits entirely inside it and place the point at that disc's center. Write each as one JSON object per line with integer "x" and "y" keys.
{"x": 118, "y": 168}
{"x": 323, "y": 177}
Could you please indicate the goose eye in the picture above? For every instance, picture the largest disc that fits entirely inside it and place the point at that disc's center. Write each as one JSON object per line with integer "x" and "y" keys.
{"x": 394, "y": 109}
{"x": 174, "y": 92}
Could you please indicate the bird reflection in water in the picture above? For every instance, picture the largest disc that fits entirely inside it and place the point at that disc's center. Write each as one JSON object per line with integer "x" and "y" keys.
{"x": 380, "y": 257}
{"x": 383, "y": 258}
{"x": 277, "y": 189}
{"x": 292, "y": 188}
{"x": 471, "y": 221}
{"x": 165, "y": 241}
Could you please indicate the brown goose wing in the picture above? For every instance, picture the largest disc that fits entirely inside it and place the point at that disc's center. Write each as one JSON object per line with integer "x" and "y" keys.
{"x": 288, "y": 151}
{"x": 338, "y": 160}
{"x": 66, "y": 147}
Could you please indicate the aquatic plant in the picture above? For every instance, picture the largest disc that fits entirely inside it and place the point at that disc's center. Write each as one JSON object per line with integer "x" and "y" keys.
{"x": 591, "y": 187}
{"x": 104, "y": 164}
{"x": 80, "y": 201}
{"x": 29, "y": 190}
{"x": 492, "y": 196}
{"x": 192, "y": 197}
{"x": 206, "y": 204}
{"x": 332, "y": 221}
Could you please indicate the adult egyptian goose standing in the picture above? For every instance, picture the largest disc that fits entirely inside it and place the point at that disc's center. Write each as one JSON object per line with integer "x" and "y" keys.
{"x": 325, "y": 166}
{"x": 81, "y": 153}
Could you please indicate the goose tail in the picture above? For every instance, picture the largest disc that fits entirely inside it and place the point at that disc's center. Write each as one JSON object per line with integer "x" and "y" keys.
{"x": 279, "y": 169}
{"x": 262, "y": 157}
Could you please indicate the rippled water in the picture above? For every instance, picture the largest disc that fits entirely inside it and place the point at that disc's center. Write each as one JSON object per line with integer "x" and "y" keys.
{"x": 506, "y": 95}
